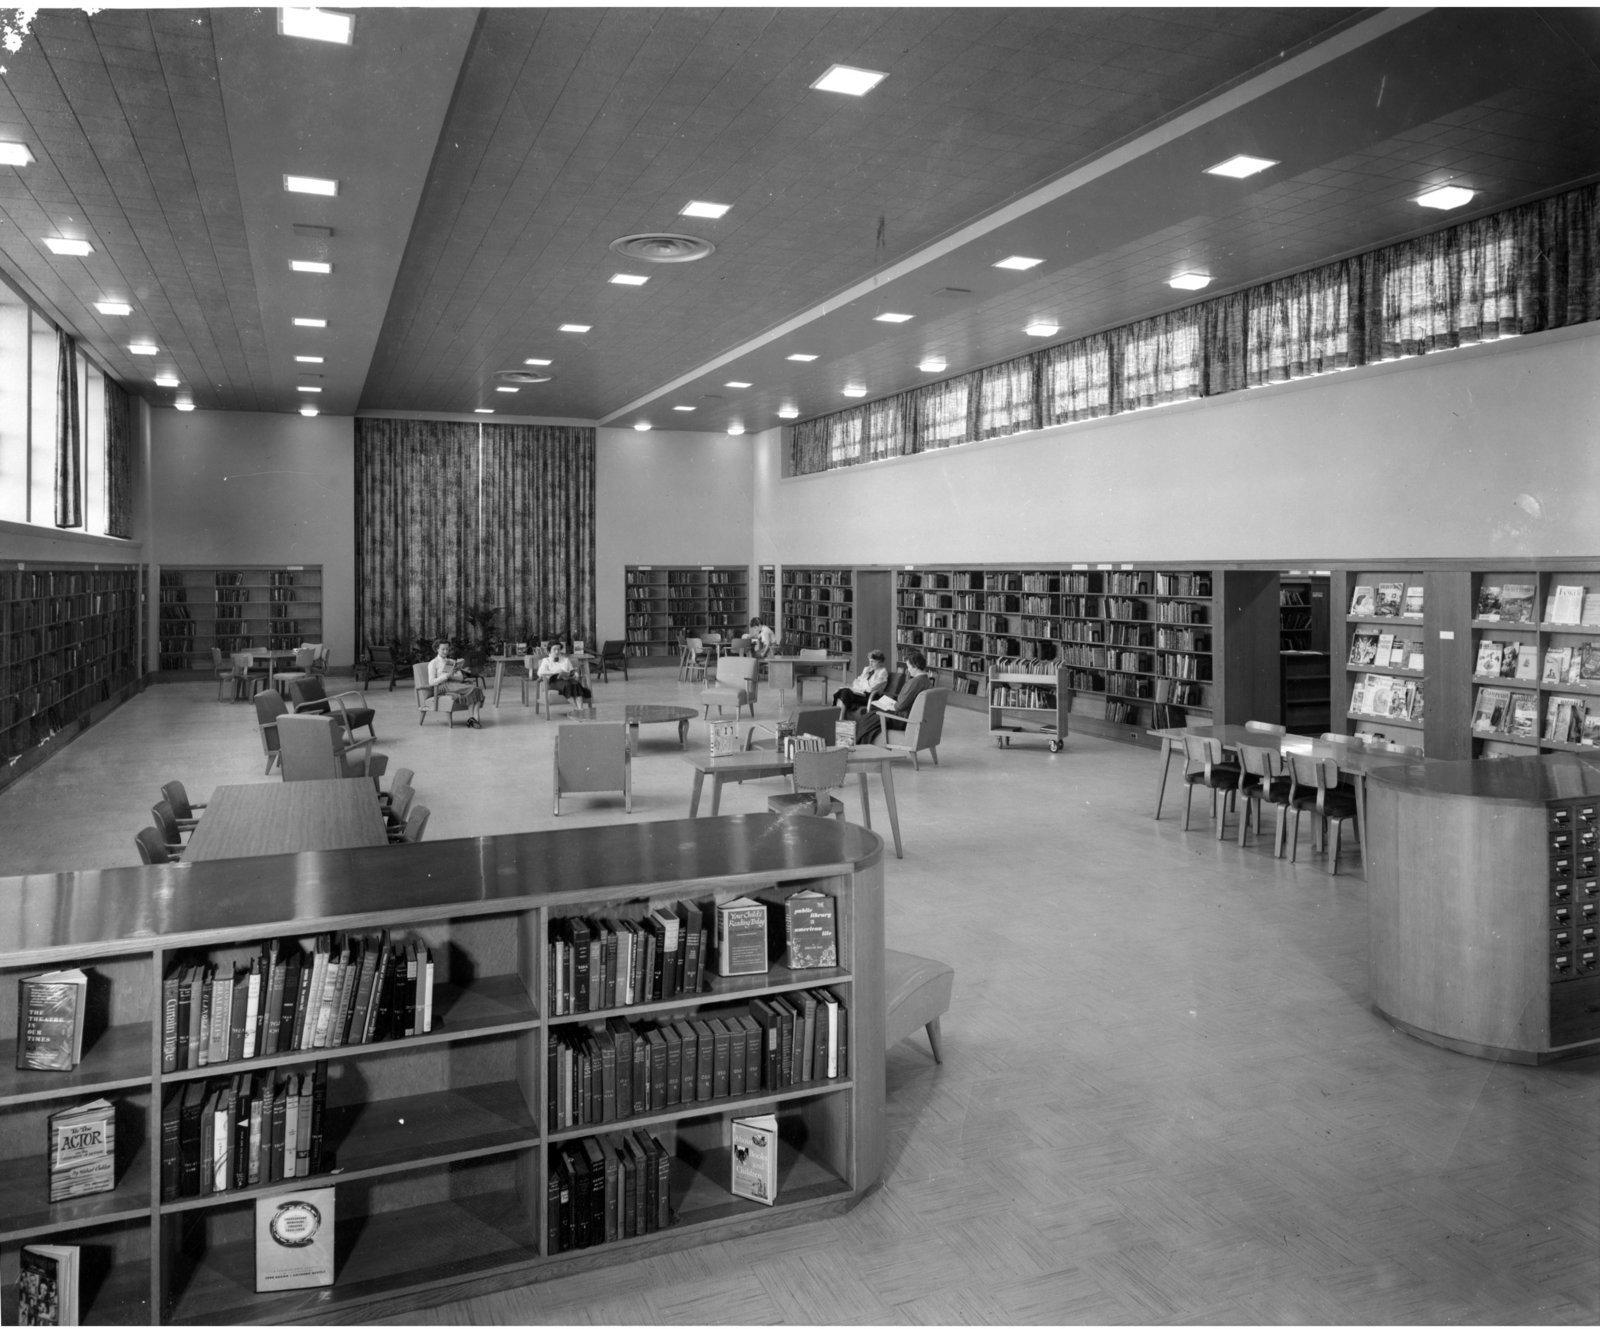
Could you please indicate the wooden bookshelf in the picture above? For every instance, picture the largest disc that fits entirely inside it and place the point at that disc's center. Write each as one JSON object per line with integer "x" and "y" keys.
{"x": 767, "y": 595}
{"x": 662, "y": 603}
{"x": 69, "y": 653}
{"x": 1383, "y": 690}
{"x": 235, "y": 609}
{"x": 819, "y": 609}
{"x": 1139, "y": 648}
{"x": 442, "y": 1144}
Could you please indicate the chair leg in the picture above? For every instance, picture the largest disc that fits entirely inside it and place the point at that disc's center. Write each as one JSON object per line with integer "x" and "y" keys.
{"x": 1333, "y": 855}
{"x": 1188, "y": 796}
{"x": 1294, "y": 837}
{"x": 934, "y": 753}
{"x": 1244, "y": 819}
{"x": 1277, "y": 839}
{"x": 933, "y": 1040}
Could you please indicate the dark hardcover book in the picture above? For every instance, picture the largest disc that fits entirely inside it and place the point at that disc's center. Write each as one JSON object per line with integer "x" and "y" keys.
{"x": 552, "y": 1069}
{"x": 648, "y": 964}
{"x": 843, "y": 1057}
{"x": 578, "y": 939}
{"x": 610, "y": 1143}
{"x": 200, "y": 1031}
{"x": 171, "y": 1159}
{"x": 606, "y": 1050}
{"x": 582, "y": 1197}
{"x": 690, "y": 923}
{"x": 239, "y": 1013}
{"x": 636, "y": 1156}
{"x": 552, "y": 1206}
{"x": 660, "y": 1072}
{"x": 622, "y": 1035}
{"x": 597, "y": 966}
{"x": 240, "y": 1153}
{"x": 766, "y": 1017}
{"x": 302, "y": 1138}
{"x": 388, "y": 986}
{"x": 194, "y": 1097}
{"x": 705, "y": 1064}
{"x": 822, "y": 1042}
{"x": 263, "y": 995}
{"x": 319, "y": 1109}
{"x": 594, "y": 1157}
{"x": 788, "y": 1027}
{"x": 646, "y": 1156}
{"x": 568, "y": 1238}
{"x": 169, "y": 1020}
{"x": 755, "y": 1053}
{"x": 588, "y": 1088}
{"x": 734, "y": 1027}
{"x": 657, "y": 931}
{"x": 607, "y": 932}
{"x": 381, "y": 960}
{"x": 275, "y": 996}
{"x": 280, "y": 1104}
{"x": 809, "y": 931}
{"x": 689, "y": 1068}
{"x": 260, "y": 1127}
{"x": 298, "y": 971}
{"x": 721, "y": 1072}
{"x": 807, "y": 1032}
{"x": 672, "y": 967}
{"x": 663, "y": 1184}
{"x": 627, "y": 1208}
{"x": 674, "y": 1043}
{"x": 185, "y": 998}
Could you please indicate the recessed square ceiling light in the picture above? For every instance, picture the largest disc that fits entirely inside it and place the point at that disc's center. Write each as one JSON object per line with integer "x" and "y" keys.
{"x": 804, "y": 359}
{"x": 60, "y": 245}
{"x": 540, "y": 363}
{"x": 308, "y": 265}
{"x": 788, "y": 412}
{"x": 1241, "y": 166}
{"x": 15, "y": 154}
{"x": 933, "y": 364}
{"x": 628, "y": 279}
{"x": 643, "y": 426}
{"x": 184, "y": 405}
{"x": 1019, "y": 263}
{"x": 854, "y": 390}
{"x": 735, "y": 383}
{"x": 319, "y": 25}
{"x": 699, "y": 209}
{"x": 683, "y": 408}
{"x": 308, "y": 359}
{"x": 1190, "y": 281}
{"x": 1041, "y": 328}
{"x": 892, "y": 318}
{"x": 506, "y": 389}
{"x": 113, "y": 307}
{"x": 1446, "y": 197}
{"x": 311, "y": 322}
{"x": 309, "y": 410}
{"x": 144, "y": 348}
{"x": 483, "y": 410}
{"x": 166, "y": 381}
{"x": 310, "y": 184}
{"x": 736, "y": 429}
{"x": 849, "y": 80}
{"x": 575, "y": 327}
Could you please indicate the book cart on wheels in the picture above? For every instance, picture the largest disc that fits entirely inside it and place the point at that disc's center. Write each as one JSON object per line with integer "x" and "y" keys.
{"x": 1028, "y": 697}
{"x": 446, "y": 1150}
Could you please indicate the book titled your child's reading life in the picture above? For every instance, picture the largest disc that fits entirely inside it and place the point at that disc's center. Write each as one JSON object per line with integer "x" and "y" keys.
{"x": 294, "y": 1240}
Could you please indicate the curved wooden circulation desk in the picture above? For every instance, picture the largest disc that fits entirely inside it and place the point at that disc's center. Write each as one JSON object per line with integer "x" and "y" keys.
{"x": 1483, "y": 895}
{"x": 443, "y": 1144}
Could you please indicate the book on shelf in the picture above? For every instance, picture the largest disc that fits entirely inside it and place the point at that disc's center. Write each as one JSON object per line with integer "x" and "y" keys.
{"x": 1358, "y": 698}
{"x": 1524, "y": 715}
{"x": 1412, "y": 607}
{"x": 1586, "y": 664}
{"x": 1363, "y": 602}
{"x": 1589, "y": 733}
{"x": 1378, "y": 689}
{"x": 1385, "y": 649}
{"x": 754, "y": 1158}
{"x": 844, "y": 733}
{"x": 1490, "y": 710}
{"x": 1416, "y": 701}
{"x": 1400, "y": 699}
{"x": 1390, "y": 596}
{"x": 1488, "y": 606}
{"x": 1557, "y": 661}
{"x": 1565, "y": 718}
{"x": 50, "y": 1015}
{"x": 1527, "y": 664}
{"x": 1590, "y": 618}
{"x": 741, "y": 937}
{"x": 294, "y": 1240}
{"x": 1564, "y": 605}
{"x": 83, "y": 1150}
{"x": 1490, "y": 654}
{"x": 47, "y": 1285}
{"x": 801, "y": 929}
{"x": 723, "y": 738}
{"x": 1516, "y": 603}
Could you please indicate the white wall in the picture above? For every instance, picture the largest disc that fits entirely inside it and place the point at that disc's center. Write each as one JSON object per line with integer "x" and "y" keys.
{"x": 249, "y": 488}
{"x": 667, "y": 496}
{"x": 1414, "y": 459}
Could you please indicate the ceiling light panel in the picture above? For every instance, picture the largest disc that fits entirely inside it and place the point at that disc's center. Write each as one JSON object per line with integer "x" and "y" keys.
{"x": 318, "y": 25}
{"x": 736, "y": 429}
{"x": 166, "y": 381}
{"x": 308, "y": 359}
{"x": 309, "y": 265}
{"x": 628, "y": 279}
{"x": 311, "y": 322}
{"x": 854, "y": 390}
{"x": 1189, "y": 281}
{"x": 1018, "y": 263}
{"x": 1446, "y": 197}
{"x": 144, "y": 348}
{"x": 933, "y": 364}
{"x": 1241, "y": 167}
{"x": 572, "y": 327}
{"x": 700, "y": 209}
{"x": 114, "y": 308}
{"x": 504, "y": 389}
{"x": 540, "y": 363}
{"x": 483, "y": 410}
{"x": 306, "y": 387}
{"x": 184, "y": 405}
{"x": 735, "y": 383}
{"x": 849, "y": 80}
{"x": 311, "y": 184}
{"x": 309, "y": 410}
{"x": 788, "y": 412}
{"x": 1042, "y": 328}
{"x": 683, "y": 408}
{"x": 803, "y": 359}
{"x": 59, "y": 244}
{"x": 15, "y": 154}
{"x": 892, "y": 318}
{"x": 642, "y": 426}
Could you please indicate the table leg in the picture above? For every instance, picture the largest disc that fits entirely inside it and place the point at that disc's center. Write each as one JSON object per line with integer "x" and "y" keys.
{"x": 1361, "y": 819}
{"x": 683, "y": 733}
{"x": 887, "y": 771}
{"x": 633, "y": 740}
{"x": 694, "y": 798}
{"x": 866, "y": 812}
{"x": 716, "y": 793}
{"x": 499, "y": 676}
{"x": 1161, "y": 780}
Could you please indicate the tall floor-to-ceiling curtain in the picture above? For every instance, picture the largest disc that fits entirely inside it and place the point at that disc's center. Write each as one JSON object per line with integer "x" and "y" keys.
{"x": 456, "y": 516}
{"x": 119, "y": 460}
{"x": 537, "y": 548}
{"x": 69, "y": 445}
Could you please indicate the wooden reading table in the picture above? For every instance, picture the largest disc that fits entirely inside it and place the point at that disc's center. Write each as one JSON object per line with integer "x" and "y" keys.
{"x": 243, "y": 820}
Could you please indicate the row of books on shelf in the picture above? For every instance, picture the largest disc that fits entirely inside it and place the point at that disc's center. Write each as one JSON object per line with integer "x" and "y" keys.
{"x": 1507, "y": 711}
{"x": 606, "y": 1073}
{"x": 1566, "y": 605}
{"x": 1389, "y": 599}
{"x": 1520, "y": 660}
{"x": 1022, "y": 698}
{"x": 30, "y": 584}
{"x": 1024, "y": 664}
{"x": 334, "y": 990}
{"x": 15, "y": 615}
{"x": 1384, "y": 697}
{"x": 606, "y": 1188}
{"x": 255, "y": 1128}
{"x": 1386, "y": 650}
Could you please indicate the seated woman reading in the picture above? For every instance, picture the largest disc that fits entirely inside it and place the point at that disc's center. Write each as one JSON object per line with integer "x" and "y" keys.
{"x": 562, "y": 674}
{"x": 762, "y": 639}
{"x": 446, "y": 677}
{"x": 885, "y": 709}
{"x": 866, "y": 685}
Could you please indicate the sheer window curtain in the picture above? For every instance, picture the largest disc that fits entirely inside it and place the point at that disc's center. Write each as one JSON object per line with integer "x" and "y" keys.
{"x": 1075, "y": 380}
{"x": 119, "y": 460}
{"x": 69, "y": 438}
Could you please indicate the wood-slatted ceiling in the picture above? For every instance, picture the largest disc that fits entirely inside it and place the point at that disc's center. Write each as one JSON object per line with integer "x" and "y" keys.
{"x": 488, "y": 158}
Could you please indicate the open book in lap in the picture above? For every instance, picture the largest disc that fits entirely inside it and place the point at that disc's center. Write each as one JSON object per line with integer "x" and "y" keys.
{"x": 884, "y": 703}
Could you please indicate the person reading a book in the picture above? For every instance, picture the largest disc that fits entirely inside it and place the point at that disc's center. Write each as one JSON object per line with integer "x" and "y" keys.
{"x": 562, "y": 674}
{"x": 762, "y": 639}
{"x": 448, "y": 678}
{"x": 866, "y": 685}
{"x": 886, "y": 710}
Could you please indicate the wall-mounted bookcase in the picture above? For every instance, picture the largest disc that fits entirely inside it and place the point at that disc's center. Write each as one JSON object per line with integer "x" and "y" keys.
{"x": 767, "y": 602}
{"x": 1535, "y": 661}
{"x": 235, "y": 609}
{"x": 1384, "y": 688}
{"x": 1139, "y": 648}
{"x": 662, "y": 602}
{"x": 69, "y": 652}
{"x": 819, "y": 609}
{"x": 440, "y": 1146}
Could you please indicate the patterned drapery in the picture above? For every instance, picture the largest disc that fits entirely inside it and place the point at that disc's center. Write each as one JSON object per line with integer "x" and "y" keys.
{"x": 119, "y": 460}
{"x": 455, "y": 515}
{"x": 1522, "y": 270}
{"x": 69, "y": 448}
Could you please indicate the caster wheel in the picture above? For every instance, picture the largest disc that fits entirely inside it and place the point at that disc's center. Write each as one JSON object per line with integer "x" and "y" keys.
{"x": 999, "y": 742}
{"x": 1055, "y": 745}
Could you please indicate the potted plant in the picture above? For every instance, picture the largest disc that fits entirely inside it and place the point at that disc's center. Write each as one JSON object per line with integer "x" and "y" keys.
{"x": 481, "y": 621}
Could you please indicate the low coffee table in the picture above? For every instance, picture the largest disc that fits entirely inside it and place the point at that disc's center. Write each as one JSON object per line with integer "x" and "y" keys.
{"x": 649, "y": 713}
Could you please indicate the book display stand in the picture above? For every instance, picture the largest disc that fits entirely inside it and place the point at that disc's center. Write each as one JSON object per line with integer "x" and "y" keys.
{"x": 663, "y": 602}
{"x": 1028, "y": 697}
{"x": 439, "y": 1145}
{"x": 1383, "y": 691}
{"x": 235, "y": 609}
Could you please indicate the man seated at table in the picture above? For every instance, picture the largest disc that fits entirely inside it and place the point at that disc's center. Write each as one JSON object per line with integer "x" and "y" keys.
{"x": 448, "y": 678}
{"x": 762, "y": 639}
{"x": 867, "y": 684}
{"x": 886, "y": 710}
{"x": 562, "y": 674}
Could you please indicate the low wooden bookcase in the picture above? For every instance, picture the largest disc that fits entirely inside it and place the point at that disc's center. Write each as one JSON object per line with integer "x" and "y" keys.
{"x": 440, "y": 1142}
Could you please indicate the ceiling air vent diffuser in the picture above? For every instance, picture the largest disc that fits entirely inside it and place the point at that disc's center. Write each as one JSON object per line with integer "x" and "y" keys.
{"x": 663, "y": 248}
{"x": 521, "y": 376}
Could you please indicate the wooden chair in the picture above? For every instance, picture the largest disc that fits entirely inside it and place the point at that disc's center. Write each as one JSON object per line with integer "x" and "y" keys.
{"x": 593, "y": 759}
{"x": 814, "y": 775}
{"x": 916, "y": 993}
{"x": 398, "y": 792}
{"x": 735, "y": 686}
{"x": 235, "y": 670}
{"x": 1346, "y": 740}
{"x": 270, "y": 708}
{"x": 810, "y": 675}
{"x": 613, "y": 653}
{"x": 692, "y": 663}
{"x": 319, "y": 656}
{"x": 920, "y": 731}
{"x": 1206, "y": 764}
{"x": 1316, "y": 789}
{"x": 780, "y": 674}
{"x": 1265, "y": 779}
{"x": 416, "y": 824}
{"x": 304, "y": 658}
{"x": 308, "y": 697}
{"x": 252, "y": 676}
{"x": 425, "y": 692}
{"x": 380, "y": 664}
{"x": 177, "y": 798}
{"x": 314, "y": 748}
{"x": 1265, "y": 727}
{"x": 152, "y": 846}
{"x": 167, "y": 824}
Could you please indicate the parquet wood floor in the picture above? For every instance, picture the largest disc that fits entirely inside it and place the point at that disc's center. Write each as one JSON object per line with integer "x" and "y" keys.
{"x": 1164, "y": 1099}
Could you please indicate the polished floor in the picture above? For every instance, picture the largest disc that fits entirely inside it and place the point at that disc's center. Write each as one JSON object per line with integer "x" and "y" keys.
{"x": 1165, "y": 1098}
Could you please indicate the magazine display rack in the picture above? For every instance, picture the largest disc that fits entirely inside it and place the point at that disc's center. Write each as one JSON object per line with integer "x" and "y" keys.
{"x": 441, "y": 1141}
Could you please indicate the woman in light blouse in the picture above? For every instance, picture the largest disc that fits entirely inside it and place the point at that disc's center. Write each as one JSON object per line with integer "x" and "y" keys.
{"x": 558, "y": 668}
{"x": 868, "y": 683}
{"x": 446, "y": 678}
